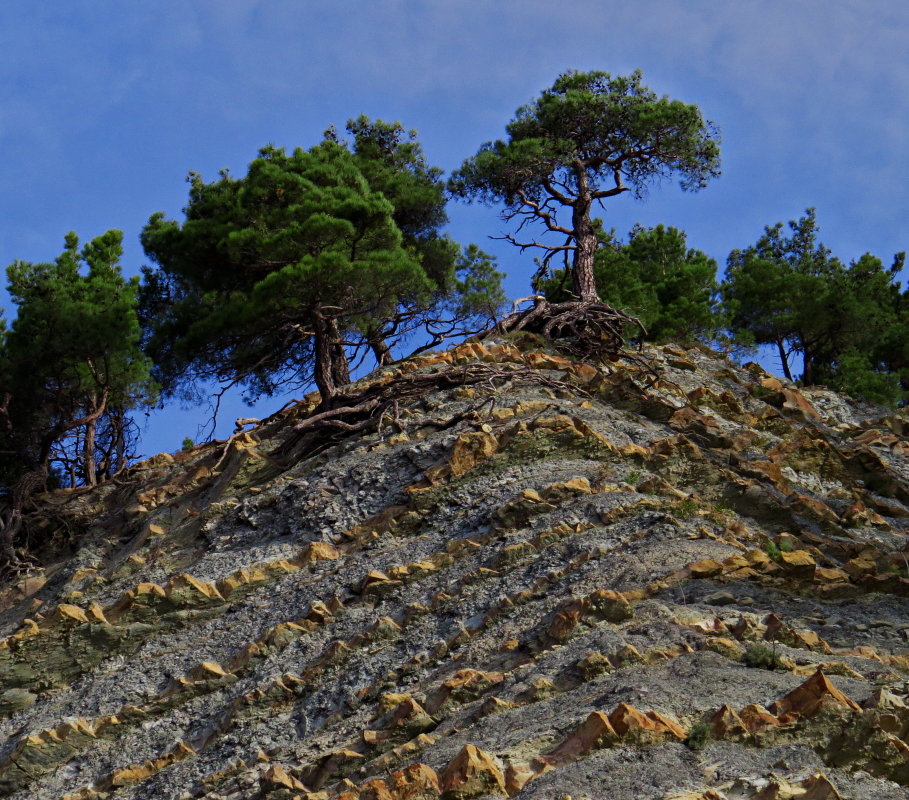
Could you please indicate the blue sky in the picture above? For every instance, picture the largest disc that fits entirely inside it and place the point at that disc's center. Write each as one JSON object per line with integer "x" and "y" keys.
{"x": 104, "y": 107}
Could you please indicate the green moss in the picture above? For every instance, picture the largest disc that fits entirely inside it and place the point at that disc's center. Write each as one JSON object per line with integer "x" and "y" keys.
{"x": 759, "y": 656}
{"x": 772, "y": 550}
{"x": 698, "y": 736}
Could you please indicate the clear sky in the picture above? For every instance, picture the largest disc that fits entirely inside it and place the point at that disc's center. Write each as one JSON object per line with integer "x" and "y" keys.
{"x": 105, "y": 106}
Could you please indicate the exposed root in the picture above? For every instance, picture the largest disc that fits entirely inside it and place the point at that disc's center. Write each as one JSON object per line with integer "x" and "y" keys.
{"x": 585, "y": 329}
{"x": 17, "y": 565}
{"x": 377, "y": 405}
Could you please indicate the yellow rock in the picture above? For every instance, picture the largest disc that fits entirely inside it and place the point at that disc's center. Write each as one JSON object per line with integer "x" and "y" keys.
{"x": 810, "y": 697}
{"x": 65, "y": 612}
{"x": 471, "y": 773}
{"x": 277, "y": 776}
{"x": 798, "y": 562}
{"x": 471, "y": 449}
{"x": 320, "y": 551}
{"x": 705, "y": 569}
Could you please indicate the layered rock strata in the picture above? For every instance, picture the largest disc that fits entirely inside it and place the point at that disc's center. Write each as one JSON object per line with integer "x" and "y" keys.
{"x": 567, "y": 580}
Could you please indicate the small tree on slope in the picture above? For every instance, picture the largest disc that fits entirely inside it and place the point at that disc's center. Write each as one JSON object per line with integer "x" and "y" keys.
{"x": 70, "y": 368}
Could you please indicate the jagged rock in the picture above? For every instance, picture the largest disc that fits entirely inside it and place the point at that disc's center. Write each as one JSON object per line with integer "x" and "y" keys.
{"x": 817, "y": 787}
{"x": 644, "y": 728}
{"x": 812, "y": 696}
{"x": 471, "y": 773}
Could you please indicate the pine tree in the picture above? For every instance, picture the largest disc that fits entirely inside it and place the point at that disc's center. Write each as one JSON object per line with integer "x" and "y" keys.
{"x": 272, "y": 275}
{"x": 589, "y": 138}
{"x": 70, "y": 366}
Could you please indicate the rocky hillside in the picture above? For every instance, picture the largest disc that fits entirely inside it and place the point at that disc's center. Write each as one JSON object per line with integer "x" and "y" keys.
{"x": 542, "y": 579}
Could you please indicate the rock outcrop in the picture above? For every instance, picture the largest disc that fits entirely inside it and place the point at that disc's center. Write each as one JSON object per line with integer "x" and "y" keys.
{"x": 565, "y": 580}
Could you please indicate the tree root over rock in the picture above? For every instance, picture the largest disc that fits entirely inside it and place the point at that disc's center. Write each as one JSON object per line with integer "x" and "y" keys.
{"x": 585, "y": 329}
{"x": 378, "y": 404}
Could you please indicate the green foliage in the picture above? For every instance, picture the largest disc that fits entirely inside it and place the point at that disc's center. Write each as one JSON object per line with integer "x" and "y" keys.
{"x": 761, "y": 656}
{"x": 590, "y": 137}
{"x": 698, "y": 736}
{"x": 468, "y": 292}
{"x": 71, "y": 366}
{"x": 848, "y": 323}
{"x": 187, "y": 444}
{"x": 772, "y": 550}
{"x": 786, "y": 546}
{"x": 274, "y": 278}
{"x": 270, "y": 274}
{"x": 670, "y": 288}
{"x": 633, "y": 477}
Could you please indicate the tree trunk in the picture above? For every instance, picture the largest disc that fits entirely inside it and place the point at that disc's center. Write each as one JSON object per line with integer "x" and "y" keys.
{"x": 323, "y": 373}
{"x": 11, "y": 519}
{"x": 340, "y": 369}
{"x": 88, "y": 455}
{"x": 582, "y": 274}
{"x": 11, "y": 526}
{"x": 379, "y": 349}
{"x": 807, "y": 370}
{"x": 783, "y": 359}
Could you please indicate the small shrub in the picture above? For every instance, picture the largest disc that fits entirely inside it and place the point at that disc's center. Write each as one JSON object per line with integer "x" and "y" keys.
{"x": 633, "y": 477}
{"x": 786, "y": 546}
{"x": 760, "y": 656}
{"x": 698, "y": 736}
{"x": 761, "y": 392}
{"x": 772, "y": 550}
{"x": 188, "y": 444}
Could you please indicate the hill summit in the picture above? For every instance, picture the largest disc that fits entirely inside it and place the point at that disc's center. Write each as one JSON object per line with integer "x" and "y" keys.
{"x": 505, "y": 573}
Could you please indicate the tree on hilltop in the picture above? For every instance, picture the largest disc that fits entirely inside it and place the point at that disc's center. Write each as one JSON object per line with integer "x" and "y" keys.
{"x": 276, "y": 277}
{"x": 273, "y": 274}
{"x": 590, "y": 137}
{"x": 467, "y": 288}
{"x": 847, "y": 322}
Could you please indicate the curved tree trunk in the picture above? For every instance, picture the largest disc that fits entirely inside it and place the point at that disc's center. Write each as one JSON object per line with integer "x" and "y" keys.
{"x": 380, "y": 349}
{"x": 340, "y": 369}
{"x": 323, "y": 374}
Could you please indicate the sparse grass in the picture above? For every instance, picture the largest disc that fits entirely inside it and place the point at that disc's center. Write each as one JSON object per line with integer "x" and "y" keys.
{"x": 760, "y": 656}
{"x": 687, "y": 509}
{"x": 772, "y": 550}
{"x": 633, "y": 477}
{"x": 720, "y": 511}
{"x": 698, "y": 736}
{"x": 761, "y": 392}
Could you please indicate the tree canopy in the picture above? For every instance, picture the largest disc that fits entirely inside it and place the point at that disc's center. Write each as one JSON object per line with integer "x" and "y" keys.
{"x": 274, "y": 276}
{"x": 71, "y": 368}
{"x": 270, "y": 274}
{"x": 847, "y": 322}
{"x": 467, "y": 291}
{"x": 590, "y": 137}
